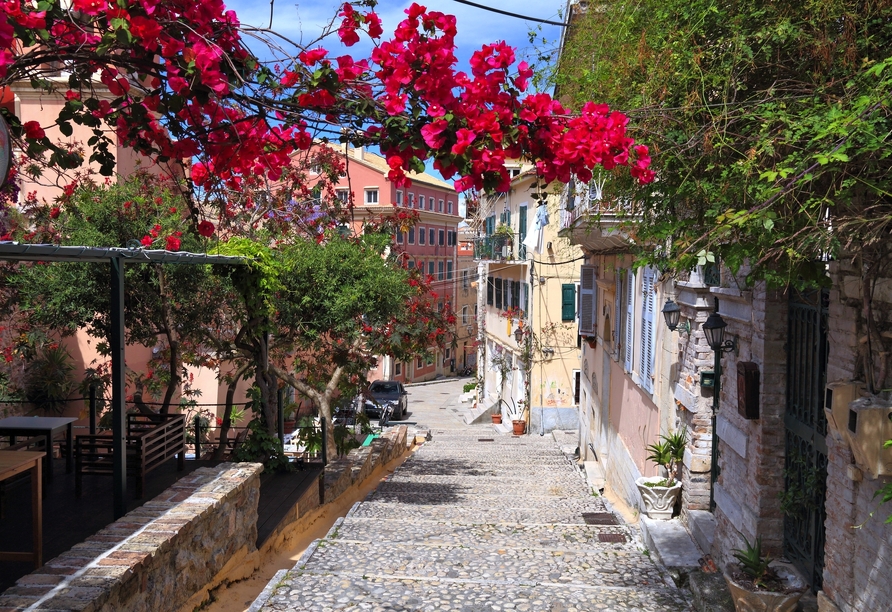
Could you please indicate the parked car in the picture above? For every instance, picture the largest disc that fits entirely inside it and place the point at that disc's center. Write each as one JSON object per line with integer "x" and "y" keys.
{"x": 383, "y": 392}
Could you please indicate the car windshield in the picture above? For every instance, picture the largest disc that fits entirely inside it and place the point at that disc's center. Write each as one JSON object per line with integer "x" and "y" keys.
{"x": 385, "y": 387}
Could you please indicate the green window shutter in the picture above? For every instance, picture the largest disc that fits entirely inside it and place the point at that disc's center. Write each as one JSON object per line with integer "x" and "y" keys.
{"x": 490, "y": 289}
{"x": 568, "y": 302}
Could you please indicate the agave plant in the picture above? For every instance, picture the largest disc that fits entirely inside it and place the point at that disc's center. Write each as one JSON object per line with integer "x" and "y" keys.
{"x": 754, "y": 564}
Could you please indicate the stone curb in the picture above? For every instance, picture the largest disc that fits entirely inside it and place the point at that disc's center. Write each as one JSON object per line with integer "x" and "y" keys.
{"x": 267, "y": 592}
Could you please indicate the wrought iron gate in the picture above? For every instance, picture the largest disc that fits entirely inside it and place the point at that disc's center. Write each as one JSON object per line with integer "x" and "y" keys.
{"x": 805, "y": 474}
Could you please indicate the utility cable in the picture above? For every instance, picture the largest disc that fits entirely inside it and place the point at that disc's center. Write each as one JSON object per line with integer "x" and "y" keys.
{"x": 509, "y": 14}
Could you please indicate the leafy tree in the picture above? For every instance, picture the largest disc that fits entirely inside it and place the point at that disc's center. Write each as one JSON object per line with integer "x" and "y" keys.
{"x": 163, "y": 303}
{"x": 770, "y": 126}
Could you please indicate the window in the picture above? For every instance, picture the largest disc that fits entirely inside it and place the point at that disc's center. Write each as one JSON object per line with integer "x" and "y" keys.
{"x": 371, "y": 196}
{"x": 411, "y": 235}
{"x": 439, "y": 205}
{"x": 421, "y": 235}
{"x": 588, "y": 324}
{"x": 629, "y": 327}
{"x": 411, "y": 264}
{"x": 648, "y": 308}
{"x": 465, "y": 279}
{"x": 576, "y": 386}
{"x": 343, "y": 195}
{"x": 421, "y": 202}
{"x": 447, "y": 353}
{"x": 439, "y": 270}
{"x": 430, "y": 268}
{"x": 420, "y": 363}
{"x": 399, "y": 237}
{"x": 464, "y": 315}
{"x": 490, "y": 290}
{"x": 568, "y": 302}
{"x": 399, "y": 201}
{"x": 525, "y": 297}
{"x": 498, "y": 293}
{"x": 450, "y": 238}
{"x": 449, "y": 270}
{"x": 522, "y": 231}
{"x": 411, "y": 200}
{"x": 442, "y": 240}
{"x": 433, "y": 237}
{"x": 440, "y": 306}
{"x": 515, "y": 294}
{"x": 397, "y": 369}
{"x": 430, "y": 203}
{"x": 449, "y": 207}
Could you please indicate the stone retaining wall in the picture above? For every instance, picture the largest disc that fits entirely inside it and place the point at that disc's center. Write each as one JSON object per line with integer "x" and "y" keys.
{"x": 154, "y": 558}
{"x": 200, "y": 533}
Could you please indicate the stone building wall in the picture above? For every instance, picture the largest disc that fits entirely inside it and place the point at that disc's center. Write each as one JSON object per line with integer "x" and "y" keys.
{"x": 858, "y": 550}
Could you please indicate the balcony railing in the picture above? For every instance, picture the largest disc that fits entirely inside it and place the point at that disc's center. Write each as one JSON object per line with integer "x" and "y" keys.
{"x": 499, "y": 247}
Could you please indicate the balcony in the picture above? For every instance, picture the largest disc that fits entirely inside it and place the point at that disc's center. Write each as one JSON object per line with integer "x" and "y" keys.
{"x": 499, "y": 247}
{"x": 595, "y": 224}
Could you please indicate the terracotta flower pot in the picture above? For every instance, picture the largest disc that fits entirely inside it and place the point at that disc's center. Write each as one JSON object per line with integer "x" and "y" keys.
{"x": 658, "y": 501}
{"x": 519, "y": 427}
{"x": 496, "y": 418}
{"x": 746, "y": 600}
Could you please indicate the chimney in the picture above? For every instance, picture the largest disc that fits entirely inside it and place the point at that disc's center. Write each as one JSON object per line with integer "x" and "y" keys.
{"x": 358, "y": 153}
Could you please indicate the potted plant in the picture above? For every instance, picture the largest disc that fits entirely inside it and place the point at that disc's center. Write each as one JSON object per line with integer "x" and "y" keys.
{"x": 501, "y": 237}
{"x": 659, "y": 493}
{"x": 516, "y": 414}
{"x": 756, "y": 585}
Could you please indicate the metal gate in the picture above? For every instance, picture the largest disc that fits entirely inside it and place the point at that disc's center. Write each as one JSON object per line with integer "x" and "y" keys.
{"x": 805, "y": 473}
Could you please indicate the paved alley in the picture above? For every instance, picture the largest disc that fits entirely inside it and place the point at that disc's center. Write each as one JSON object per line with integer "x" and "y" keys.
{"x": 477, "y": 521}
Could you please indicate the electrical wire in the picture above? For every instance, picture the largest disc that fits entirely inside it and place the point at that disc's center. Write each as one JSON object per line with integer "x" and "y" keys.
{"x": 509, "y": 14}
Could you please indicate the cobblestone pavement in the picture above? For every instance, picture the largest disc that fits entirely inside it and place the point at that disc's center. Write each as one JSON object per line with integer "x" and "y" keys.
{"x": 477, "y": 522}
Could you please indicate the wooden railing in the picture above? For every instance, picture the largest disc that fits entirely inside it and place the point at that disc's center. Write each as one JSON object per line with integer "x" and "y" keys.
{"x": 151, "y": 440}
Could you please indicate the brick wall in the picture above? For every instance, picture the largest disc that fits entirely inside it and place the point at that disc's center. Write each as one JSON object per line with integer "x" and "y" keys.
{"x": 858, "y": 551}
{"x": 154, "y": 558}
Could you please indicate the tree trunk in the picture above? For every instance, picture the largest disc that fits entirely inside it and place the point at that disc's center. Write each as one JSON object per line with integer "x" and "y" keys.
{"x": 320, "y": 399}
{"x": 220, "y": 451}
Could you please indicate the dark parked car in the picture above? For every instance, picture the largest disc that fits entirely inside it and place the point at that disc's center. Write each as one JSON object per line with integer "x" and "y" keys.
{"x": 383, "y": 392}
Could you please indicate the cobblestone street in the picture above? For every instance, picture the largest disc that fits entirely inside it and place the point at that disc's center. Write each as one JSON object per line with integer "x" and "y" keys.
{"x": 477, "y": 521}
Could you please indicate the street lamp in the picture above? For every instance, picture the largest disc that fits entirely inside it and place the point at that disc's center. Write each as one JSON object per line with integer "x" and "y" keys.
{"x": 714, "y": 330}
{"x": 672, "y": 314}
{"x": 518, "y": 334}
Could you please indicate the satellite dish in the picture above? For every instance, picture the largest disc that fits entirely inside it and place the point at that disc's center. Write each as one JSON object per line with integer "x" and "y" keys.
{"x": 5, "y": 151}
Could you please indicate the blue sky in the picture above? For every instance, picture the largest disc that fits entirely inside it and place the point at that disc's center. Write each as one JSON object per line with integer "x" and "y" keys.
{"x": 304, "y": 21}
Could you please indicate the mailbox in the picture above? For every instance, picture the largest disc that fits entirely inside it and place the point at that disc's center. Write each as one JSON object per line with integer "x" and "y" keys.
{"x": 748, "y": 389}
{"x": 869, "y": 426}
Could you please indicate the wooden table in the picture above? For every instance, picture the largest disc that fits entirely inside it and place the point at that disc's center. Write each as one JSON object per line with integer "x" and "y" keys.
{"x": 49, "y": 427}
{"x": 16, "y": 462}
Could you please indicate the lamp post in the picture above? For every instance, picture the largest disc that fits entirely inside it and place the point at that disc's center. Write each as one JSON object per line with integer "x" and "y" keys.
{"x": 672, "y": 314}
{"x": 714, "y": 330}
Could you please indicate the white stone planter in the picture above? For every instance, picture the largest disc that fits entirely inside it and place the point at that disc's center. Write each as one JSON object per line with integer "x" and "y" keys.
{"x": 761, "y": 601}
{"x": 658, "y": 501}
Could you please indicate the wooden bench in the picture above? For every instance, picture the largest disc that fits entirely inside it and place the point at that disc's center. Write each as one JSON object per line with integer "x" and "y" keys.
{"x": 151, "y": 440}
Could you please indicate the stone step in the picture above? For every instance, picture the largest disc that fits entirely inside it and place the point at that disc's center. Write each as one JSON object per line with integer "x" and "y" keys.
{"x": 454, "y": 496}
{"x": 484, "y": 535}
{"x": 561, "y": 511}
{"x": 309, "y": 592}
{"x": 483, "y": 486}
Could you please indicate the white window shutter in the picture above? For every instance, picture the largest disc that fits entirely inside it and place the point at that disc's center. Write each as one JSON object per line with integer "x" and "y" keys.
{"x": 587, "y": 325}
{"x": 648, "y": 306}
{"x": 630, "y": 318}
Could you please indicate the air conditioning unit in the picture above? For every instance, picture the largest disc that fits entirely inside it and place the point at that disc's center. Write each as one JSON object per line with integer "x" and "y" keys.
{"x": 869, "y": 426}
{"x": 838, "y": 395}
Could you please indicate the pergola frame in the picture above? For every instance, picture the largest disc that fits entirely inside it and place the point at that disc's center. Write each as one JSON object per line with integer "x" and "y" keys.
{"x": 116, "y": 258}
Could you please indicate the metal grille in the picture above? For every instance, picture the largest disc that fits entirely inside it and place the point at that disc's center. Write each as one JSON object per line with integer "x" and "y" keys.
{"x": 805, "y": 473}
{"x": 599, "y": 518}
{"x": 612, "y": 537}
